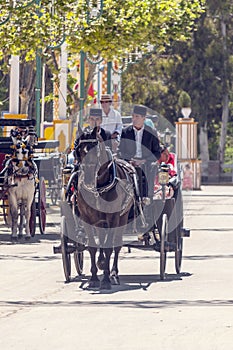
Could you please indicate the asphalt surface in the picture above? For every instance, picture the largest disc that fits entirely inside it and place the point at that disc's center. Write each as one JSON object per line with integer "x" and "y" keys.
{"x": 192, "y": 310}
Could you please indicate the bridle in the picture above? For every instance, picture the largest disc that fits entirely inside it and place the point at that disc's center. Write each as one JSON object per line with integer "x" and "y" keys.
{"x": 84, "y": 167}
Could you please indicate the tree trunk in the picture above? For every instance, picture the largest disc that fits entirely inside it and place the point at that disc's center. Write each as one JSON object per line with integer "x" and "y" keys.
{"x": 204, "y": 149}
{"x": 27, "y": 84}
{"x": 225, "y": 99}
{"x": 223, "y": 135}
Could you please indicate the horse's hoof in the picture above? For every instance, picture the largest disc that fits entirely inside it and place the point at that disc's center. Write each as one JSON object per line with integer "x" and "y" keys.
{"x": 93, "y": 285}
{"x": 101, "y": 264}
{"x": 14, "y": 238}
{"x": 105, "y": 285}
{"x": 27, "y": 238}
{"x": 20, "y": 235}
{"x": 115, "y": 280}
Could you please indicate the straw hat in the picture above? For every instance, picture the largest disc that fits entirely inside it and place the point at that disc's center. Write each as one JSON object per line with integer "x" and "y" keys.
{"x": 106, "y": 98}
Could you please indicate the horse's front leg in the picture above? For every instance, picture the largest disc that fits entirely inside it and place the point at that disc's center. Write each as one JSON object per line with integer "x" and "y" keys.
{"x": 114, "y": 271}
{"x": 94, "y": 281}
{"x": 14, "y": 217}
{"x": 21, "y": 220}
{"x": 101, "y": 259}
{"x": 27, "y": 209}
{"x": 106, "y": 283}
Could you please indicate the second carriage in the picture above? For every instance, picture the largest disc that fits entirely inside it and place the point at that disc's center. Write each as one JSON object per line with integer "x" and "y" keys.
{"x": 39, "y": 205}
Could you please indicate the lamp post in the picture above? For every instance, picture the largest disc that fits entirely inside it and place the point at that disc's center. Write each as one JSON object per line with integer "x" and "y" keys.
{"x": 93, "y": 14}
{"x": 109, "y": 78}
{"x": 82, "y": 87}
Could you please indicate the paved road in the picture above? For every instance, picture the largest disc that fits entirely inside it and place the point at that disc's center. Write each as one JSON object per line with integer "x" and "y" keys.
{"x": 193, "y": 310}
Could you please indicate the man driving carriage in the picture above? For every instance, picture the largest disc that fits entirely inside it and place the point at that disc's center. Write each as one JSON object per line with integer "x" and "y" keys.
{"x": 140, "y": 146}
{"x": 94, "y": 120}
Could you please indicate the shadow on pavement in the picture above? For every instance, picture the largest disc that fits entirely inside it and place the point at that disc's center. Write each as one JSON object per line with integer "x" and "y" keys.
{"x": 5, "y": 238}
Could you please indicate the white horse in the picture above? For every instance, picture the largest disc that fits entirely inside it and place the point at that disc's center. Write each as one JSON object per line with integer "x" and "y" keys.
{"x": 20, "y": 178}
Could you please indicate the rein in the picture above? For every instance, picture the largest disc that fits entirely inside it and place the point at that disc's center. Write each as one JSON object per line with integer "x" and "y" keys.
{"x": 100, "y": 190}
{"x": 103, "y": 189}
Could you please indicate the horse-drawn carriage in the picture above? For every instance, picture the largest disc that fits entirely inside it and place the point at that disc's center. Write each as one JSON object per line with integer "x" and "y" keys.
{"x": 103, "y": 210}
{"x": 22, "y": 189}
{"x": 50, "y": 163}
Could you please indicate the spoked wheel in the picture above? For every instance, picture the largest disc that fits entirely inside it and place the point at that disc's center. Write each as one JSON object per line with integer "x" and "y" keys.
{"x": 64, "y": 250}
{"x": 163, "y": 240}
{"x": 42, "y": 205}
{"x": 78, "y": 261}
{"x": 32, "y": 222}
{"x": 6, "y": 212}
{"x": 179, "y": 253}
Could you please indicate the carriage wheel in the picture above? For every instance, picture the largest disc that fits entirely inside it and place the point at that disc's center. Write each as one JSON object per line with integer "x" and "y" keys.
{"x": 32, "y": 222}
{"x": 163, "y": 240}
{"x": 78, "y": 261}
{"x": 6, "y": 212}
{"x": 179, "y": 245}
{"x": 64, "y": 250}
{"x": 42, "y": 205}
{"x": 63, "y": 194}
{"x": 178, "y": 253}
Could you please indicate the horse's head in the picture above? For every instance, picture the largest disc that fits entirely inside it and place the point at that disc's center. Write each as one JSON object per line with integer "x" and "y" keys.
{"x": 91, "y": 154}
{"x": 87, "y": 141}
{"x": 21, "y": 153}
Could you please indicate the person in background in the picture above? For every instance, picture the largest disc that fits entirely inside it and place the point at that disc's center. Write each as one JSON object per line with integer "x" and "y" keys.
{"x": 170, "y": 159}
{"x": 187, "y": 178}
{"x": 149, "y": 122}
{"x": 112, "y": 121}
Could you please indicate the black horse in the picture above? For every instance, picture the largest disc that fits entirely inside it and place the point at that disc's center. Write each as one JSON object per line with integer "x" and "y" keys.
{"x": 104, "y": 195}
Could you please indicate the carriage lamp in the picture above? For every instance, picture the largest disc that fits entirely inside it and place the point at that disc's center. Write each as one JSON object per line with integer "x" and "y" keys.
{"x": 167, "y": 137}
{"x": 163, "y": 175}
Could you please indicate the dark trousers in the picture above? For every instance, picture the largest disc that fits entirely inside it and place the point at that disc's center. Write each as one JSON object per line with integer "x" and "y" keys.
{"x": 146, "y": 176}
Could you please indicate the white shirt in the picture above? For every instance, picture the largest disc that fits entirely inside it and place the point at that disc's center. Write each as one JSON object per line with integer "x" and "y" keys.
{"x": 112, "y": 122}
{"x": 138, "y": 139}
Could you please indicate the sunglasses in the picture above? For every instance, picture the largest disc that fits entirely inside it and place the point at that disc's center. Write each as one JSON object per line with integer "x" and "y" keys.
{"x": 105, "y": 102}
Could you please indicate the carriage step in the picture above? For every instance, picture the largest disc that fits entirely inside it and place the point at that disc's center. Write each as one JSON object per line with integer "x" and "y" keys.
{"x": 69, "y": 249}
{"x": 168, "y": 247}
{"x": 184, "y": 232}
{"x": 57, "y": 250}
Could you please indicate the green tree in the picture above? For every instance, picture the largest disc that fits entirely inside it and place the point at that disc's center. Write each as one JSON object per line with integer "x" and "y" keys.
{"x": 122, "y": 25}
{"x": 202, "y": 66}
{"x": 31, "y": 27}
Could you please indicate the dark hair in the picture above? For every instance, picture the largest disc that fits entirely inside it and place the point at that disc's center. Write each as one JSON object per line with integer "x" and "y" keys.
{"x": 163, "y": 148}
